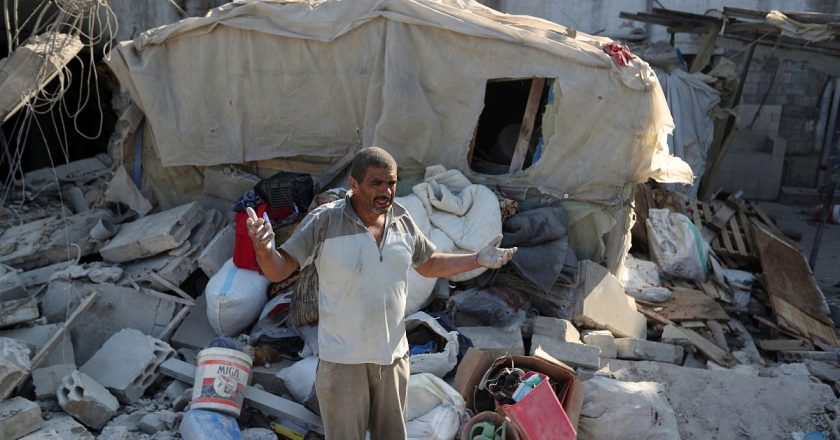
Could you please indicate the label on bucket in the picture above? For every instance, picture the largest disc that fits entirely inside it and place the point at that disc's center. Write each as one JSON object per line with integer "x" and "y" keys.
{"x": 220, "y": 384}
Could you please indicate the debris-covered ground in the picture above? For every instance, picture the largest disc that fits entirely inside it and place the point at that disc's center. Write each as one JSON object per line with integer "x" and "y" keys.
{"x": 107, "y": 329}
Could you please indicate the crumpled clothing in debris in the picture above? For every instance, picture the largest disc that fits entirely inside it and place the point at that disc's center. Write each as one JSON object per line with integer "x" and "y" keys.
{"x": 544, "y": 256}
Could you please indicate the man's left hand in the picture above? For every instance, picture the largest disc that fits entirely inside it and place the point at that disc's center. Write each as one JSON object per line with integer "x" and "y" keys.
{"x": 492, "y": 256}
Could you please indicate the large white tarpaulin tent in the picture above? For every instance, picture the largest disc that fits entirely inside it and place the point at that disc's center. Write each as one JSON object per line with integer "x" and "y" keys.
{"x": 255, "y": 80}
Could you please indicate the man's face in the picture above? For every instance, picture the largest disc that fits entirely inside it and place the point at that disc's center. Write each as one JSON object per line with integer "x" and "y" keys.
{"x": 375, "y": 193}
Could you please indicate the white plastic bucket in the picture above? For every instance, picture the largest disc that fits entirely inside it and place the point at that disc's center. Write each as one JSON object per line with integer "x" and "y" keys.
{"x": 221, "y": 375}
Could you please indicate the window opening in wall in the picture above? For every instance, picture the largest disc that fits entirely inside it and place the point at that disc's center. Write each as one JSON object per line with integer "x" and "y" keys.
{"x": 508, "y": 135}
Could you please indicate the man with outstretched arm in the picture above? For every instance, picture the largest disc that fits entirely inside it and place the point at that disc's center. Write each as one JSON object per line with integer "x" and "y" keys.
{"x": 362, "y": 247}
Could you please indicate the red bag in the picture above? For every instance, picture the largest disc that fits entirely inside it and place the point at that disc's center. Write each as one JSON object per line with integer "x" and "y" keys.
{"x": 244, "y": 256}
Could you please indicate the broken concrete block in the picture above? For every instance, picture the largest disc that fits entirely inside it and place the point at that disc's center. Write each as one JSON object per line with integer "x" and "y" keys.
{"x": 117, "y": 433}
{"x": 41, "y": 275}
{"x": 572, "y": 353}
{"x": 123, "y": 190}
{"x": 48, "y": 379}
{"x": 602, "y": 339}
{"x": 36, "y": 337}
{"x": 826, "y": 372}
{"x": 14, "y": 364}
{"x": 11, "y": 285}
{"x": 79, "y": 170}
{"x": 494, "y": 340}
{"x": 195, "y": 331}
{"x": 157, "y": 421}
{"x": 87, "y": 401}
{"x": 48, "y": 240}
{"x": 62, "y": 425}
{"x": 17, "y": 311}
{"x": 114, "y": 309}
{"x": 217, "y": 251}
{"x": 602, "y": 305}
{"x": 642, "y": 349}
{"x": 128, "y": 363}
{"x": 673, "y": 335}
{"x": 152, "y": 234}
{"x": 18, "y": 417}
{"x": 796, "y": 371}
{"x": 556, "y": 328}
{"x": 177, "y": 265}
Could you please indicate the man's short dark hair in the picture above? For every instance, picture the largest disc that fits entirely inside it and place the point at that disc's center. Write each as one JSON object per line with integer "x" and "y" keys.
{"x": 370, "y": 156}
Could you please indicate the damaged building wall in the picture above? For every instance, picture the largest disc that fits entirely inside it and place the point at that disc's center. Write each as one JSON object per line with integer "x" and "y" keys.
{"x": 786, "y": 87}
{"x": 601, "y": 18}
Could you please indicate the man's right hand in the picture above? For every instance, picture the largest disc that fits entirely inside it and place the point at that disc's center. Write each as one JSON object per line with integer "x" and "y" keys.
{"x": 260, "y": 231}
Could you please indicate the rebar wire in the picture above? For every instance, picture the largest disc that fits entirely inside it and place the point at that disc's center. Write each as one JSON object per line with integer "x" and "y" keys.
{"x": 92, "y": 21}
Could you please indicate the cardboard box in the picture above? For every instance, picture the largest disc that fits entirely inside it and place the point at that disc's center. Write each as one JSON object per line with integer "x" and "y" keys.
{"x": 542, "y": 362}
{"x": 469, "y": 373}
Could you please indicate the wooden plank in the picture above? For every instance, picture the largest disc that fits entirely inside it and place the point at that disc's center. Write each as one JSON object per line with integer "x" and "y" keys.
{"x": 794, "y": 294}
{"x": 776, "y": 327}
{"x": 785, "y": 345}
{"x": 704, "y": 346}
{"x": 528, "y": 122}
{"x": 692, "y": 305}
{"x": 736, "y": 234}
{"x": 17, "y": 311}
{"x": 791, "y": 317}
{"x": 707, "y": 49}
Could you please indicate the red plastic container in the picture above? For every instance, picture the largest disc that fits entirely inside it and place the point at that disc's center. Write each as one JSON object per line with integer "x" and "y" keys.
{"x": 539, "y": 415}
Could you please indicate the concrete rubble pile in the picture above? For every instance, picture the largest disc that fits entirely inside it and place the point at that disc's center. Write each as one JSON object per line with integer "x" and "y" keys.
{"x": 100, "y": 338}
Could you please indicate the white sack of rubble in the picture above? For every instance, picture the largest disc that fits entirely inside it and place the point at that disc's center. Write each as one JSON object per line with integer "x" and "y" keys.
{"x": 433, "y": 409}
{"x": 300, "y": 378}
{"x": 438, "y": 363}
{"x": 615, "y": 410}
{"x": 235, "y": 298}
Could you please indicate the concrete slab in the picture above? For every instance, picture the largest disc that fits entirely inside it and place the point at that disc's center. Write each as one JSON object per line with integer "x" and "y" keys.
{"x": 128, "y": 363}
{"x": 11, "y": 285}
{"x": 115, "y": 308}
{"x": 82, "y": 170}
{"x": 36, "y": 337}
{"x": 601, "y": 304}
{"x": 672, "y": 335}
{"x": 825, "y": 372}
{"x": 18, "y": 311}
{"x": 177, "y": 265}
{"x": 31, "y": 67}
{"x": 87, "y": 401}
{"x": 642, "y": 349}
{"x": 495, "y": 340}
{"x": 217, "y": 251}
{"x": 48, "y": 379}
{"x": 731, "y": 406}
{"x": 152, "y": 234}
{"x": 65, "y": 427}
{"x": 18, "y": 417}
{"x": 157, "y": 421}
{"x": 41, "y": 275}
{"x": 122, "y": 189}
{"x": 195, "y": 331}
{"x": 556, "y": 328}
{"x": 602, "y": 339}
{"x": 45, "y": 241}
{"x": 14, "y": 364}
{"x": 573, "y": 353}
